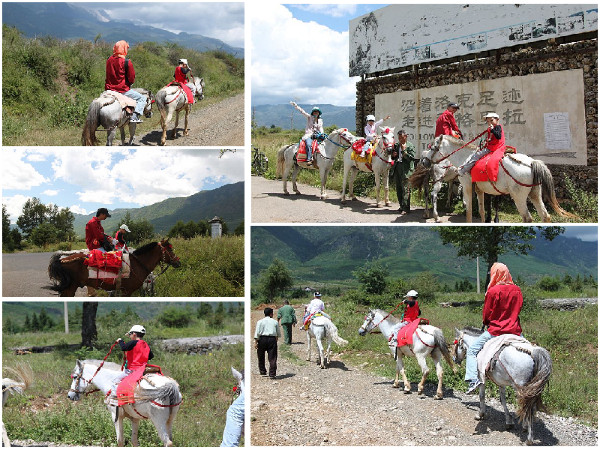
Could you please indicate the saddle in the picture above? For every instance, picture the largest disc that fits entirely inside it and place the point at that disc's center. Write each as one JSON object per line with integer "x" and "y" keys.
{"x": 357, "y": 147}
{"x": 186, "y": 89}
{"x": 405, "y": 335}
{"x": 486, "y": 169}
{"x": 107, "y": 266}
{"x": 301, "y": 155}
{"x": 109, "y": 97}
{"x": 489, "y": 354}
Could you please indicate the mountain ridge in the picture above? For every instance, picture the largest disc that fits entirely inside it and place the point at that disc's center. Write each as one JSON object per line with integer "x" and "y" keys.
{"x": 281, "y": 114}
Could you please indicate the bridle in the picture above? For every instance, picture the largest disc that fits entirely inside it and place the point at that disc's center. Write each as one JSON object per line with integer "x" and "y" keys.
{"x": 78, "y": 379}
{"x": 163, "y": 263}
{"x": 336, "y": 144}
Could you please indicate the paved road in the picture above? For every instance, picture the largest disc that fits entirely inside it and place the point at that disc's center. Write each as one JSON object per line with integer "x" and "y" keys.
{"x": 26, "y": 275}
{"x": 270, "y": 205}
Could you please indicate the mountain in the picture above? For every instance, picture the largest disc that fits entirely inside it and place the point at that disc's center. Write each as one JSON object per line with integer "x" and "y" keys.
{"x": 280, "y": 115}
{"x": 331, "y": 254}
{"x": 71, "y": 21}
{"x": 227, "y": 202}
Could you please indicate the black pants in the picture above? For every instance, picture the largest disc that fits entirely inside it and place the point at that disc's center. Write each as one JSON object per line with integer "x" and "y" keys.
{"x": 267, "y": 344}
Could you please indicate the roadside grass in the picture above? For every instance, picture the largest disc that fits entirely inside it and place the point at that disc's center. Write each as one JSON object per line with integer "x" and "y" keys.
{"x": 585, "y": 205}
{"x": 286, "y": 352}
{"x": 44, "y": 413}
{"x": 570, "y": 336}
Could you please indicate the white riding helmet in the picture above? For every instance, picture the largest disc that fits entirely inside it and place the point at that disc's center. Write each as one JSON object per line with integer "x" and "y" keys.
{"x": 412, "y": 293}
{"x": 317, "y": 294}
{"x": 137, "y": 329}
{"x": 183, "y": 60}
{"x": 491, "y": 116}
{"x": 125, "y": 227}
{"x": 371, "y": 117}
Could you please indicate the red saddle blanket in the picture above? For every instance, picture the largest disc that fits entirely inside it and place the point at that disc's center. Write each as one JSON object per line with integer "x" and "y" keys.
{"x": 406, "y": 333}
{"x": 301, "y": 153}
{"x": 358, "y": 145}
{"x": 486, "y": 169}
{"x": 186, "y": 89}
{"x": 107, "y": 261}
{"x": 127, "y": 386}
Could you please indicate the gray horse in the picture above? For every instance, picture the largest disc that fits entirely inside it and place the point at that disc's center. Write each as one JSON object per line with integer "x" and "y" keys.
{"x": 526, "y": 369}
{"x": 106, "y": 111}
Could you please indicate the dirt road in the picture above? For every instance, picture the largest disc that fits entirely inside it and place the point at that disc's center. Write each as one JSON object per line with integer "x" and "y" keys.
{"x": 344, "y": 405}
{"x": 218, "y": 125}
{"x": 270, "y": 205}
{"x": 26, "y": 275}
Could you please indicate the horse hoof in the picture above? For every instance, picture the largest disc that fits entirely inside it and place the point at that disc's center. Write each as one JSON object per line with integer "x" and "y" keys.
{"x": 437, "y": 220}
{"x": 510, "y": 426}
{"x": 395, "y": 385}
{"x": 479, "y": 417}
{"x": 438, "y": 397}
{"x": 297, "y": 192}
{"x": 528, "y": 442}
{"x": 406, "y": 391}
{"x": 323, "y": 197}
{"x": 387, "y": 203}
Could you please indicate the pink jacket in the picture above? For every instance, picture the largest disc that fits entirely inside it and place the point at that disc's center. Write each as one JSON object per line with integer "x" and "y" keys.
{"x": 312, "y": 125}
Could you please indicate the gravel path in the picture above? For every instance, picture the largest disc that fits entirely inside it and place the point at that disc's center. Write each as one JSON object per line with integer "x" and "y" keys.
{"x": 344, "y": 405}
{"x": 217, "y": 125}
{"x": 270, "y": 205}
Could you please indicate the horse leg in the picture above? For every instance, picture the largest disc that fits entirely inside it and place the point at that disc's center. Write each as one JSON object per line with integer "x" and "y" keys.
{"x": 328, "y": 353}
{"x": 535, "y": 195}
{"x": 159, "y": 419}
{"x": 170, "y": 420}
{"x": 481, "y": 414}
{"x": 480, "y": 203}
{"x": 119, "y": 429}
{"x": 186, "y": 130}
{"x": 507, "y": 416}
{"x": 165, "y": 118}
{"x": 377, "y": 186}
{"x": 294, "y": 176}
{"x": 131, "y": 134}
{"x": 324, "y": 171}
{"x": 174, "y": 132}
{"x": 284, "y": 178}
{"x": 425, "y": 186}
{"x": 521, "y": 204}
{"x": 321, "y": 352}
{"x": 346, "y": 170}
{"x": 437, "y": 187}
{"x": 468, "y": 199}
{"x": 386, "y": 187}
{"x": 353, "y": 173}
{"x": 135, "y": 425}
{"x": 308, "y": 339}
{"x": 439, "y": 370}
{"x": 424, "y": 372}
{"x": 110, "y": 136}
{"x": 400, "y": 368}
{"x": 5, "y": 440}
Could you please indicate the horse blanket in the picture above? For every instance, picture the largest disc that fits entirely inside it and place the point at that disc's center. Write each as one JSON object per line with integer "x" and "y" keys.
{"x": 301, "y": 155}
{"x": 406, "y": 333}
{"x": 125, "y": 101}
{"x": 494, "y": 346}
{"x": 186, "y": 89}
{"x": 107, "y": 265}
{"x": 357, "y": 147}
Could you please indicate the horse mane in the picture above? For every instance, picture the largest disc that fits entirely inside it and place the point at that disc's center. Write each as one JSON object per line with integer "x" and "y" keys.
{"x": 456, "y": 141}
{"x": 472, "y": 331}
{"x": 145, "y": 249}
{"x": 394, "y": 320}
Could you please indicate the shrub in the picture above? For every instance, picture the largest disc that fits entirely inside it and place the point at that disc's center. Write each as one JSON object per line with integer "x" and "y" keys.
{"x": 549, "y": 284}
{"x": 585, "y": 204}
{"x": 175, "y": 317}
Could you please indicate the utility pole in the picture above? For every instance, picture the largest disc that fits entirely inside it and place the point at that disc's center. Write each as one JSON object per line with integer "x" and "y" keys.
{"x": 478, "y": 286}
{"x": 66, "y": 318}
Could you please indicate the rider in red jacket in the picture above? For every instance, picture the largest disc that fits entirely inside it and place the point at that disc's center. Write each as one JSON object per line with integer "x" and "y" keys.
{"x": 94, "y": 232}
{"x": 120, "y": 75}
{"x": 446, "y": 124}
{"x": 494, "y": 142}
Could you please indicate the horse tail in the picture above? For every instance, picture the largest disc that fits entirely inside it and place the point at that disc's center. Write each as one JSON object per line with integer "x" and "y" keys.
{"x": 281, "y": 160}
{"x": 92, "y": 120}
{"x": 160, "y": 99}
{"x": 440, "y": 342}
{"x": 168, "y": 393}
{"x": 419, "y": 176}
{"x": 336, "y": 338}
{"x": 542, "y": 176}
{"x": 56, "y": 271}
{"x": 529, "y": 396}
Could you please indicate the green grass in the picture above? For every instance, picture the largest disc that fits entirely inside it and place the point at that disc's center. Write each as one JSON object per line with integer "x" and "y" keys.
{"x": 205, "y": 382}
{"x": 571, "y": 338}
{"x": 48, "y": 83}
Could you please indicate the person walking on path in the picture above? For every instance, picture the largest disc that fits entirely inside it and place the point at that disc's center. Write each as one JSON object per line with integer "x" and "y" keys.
{"x": 403, "y": 156}
{"x": 265, "y": 341}
{"x": 286, "y": 316}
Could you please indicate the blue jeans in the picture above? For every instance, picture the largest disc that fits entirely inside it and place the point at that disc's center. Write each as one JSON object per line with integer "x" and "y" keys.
{"x": 309, "y": 142}
{"x": 474, "y": 348}
{"x": 234, "y": 426}
{"x": 140, "y": 100}
{"x": 472, "y": 160}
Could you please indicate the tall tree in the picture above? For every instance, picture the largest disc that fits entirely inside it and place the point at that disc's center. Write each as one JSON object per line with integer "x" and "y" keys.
{"x": 275, "y": 279}
{"x": 63, "y": 219}
{"x": 489, "y": 242}
{"x": 88, "y": 324}
{"x": 34, "y": 214}
{"x": 5, "y": 226}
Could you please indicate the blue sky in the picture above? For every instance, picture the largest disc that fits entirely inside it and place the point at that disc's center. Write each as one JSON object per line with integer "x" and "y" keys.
{"x": 86, "y": 179}
{"x": 585, "y": 233}
{"x": 300, "y": 53}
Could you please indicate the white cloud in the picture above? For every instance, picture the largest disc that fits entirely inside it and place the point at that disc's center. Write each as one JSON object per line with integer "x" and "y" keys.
{"x": 76, "y": 209}
{"x": 292, "y": 59}
{"x": 18, "y": 174}
{"x": 14, "y": 206}
{"x": 50, "y": 192}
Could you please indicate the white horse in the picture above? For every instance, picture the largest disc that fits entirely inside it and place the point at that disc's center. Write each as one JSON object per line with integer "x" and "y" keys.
{"x": 323, "y": 159}
{"x": 519, "y": 176}
{"x": 107, "y": 111}
{"x": 436, "y": 174}
{"x": 12, "y": 387}
{"x": 172, "y": 99}
{"x": 321, "y": 328}
{"x": 427, "y": 341}
{"x": 380, "y": 166}
{"x": 526, "y": 371}
{"x": 157, "y": 398}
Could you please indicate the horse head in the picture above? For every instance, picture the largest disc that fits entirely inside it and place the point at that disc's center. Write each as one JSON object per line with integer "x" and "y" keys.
{"x": 459, "y": 348}
{"x": 79, "y": 385}
{"x": 387, "y": 139}
{"x": 148, "y": 107}
{"x": 428, "y": 155}
{"x": 368, "y": 324}
{"x": 168, "y": 256}
{"x": 239, "y": 378}
{"x": 199, "y": 84}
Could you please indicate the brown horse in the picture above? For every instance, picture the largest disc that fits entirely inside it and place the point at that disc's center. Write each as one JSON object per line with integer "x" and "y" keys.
{"x": 71, "y": 273}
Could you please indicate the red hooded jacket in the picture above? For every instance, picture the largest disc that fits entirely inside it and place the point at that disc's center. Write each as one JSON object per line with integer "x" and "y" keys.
{"x": 94, "y": 234}
{"x": 115, "y": 74}
{"x": 503, "y": 303}
{"x": 445, "y": 124}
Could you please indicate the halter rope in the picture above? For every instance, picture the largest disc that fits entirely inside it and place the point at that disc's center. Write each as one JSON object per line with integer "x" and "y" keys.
{"x": 80, "y": 376}
{"x": 389, "y": 314}
{"x": 460, "y": 148}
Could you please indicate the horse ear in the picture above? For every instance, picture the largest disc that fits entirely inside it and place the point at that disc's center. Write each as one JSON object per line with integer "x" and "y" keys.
{"x": 456, "y": 332}
{"x": 78, "y": 362}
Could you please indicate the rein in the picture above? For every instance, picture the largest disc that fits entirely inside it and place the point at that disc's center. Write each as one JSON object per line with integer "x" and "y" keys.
{"x": 334, "y": 143}
{"x": 80, "y": 376}
{"x": 460, "y": 148}
{"x": 389, "y": 314}
{"x": 177, "y": 96}
{"x": 162, "y": 260}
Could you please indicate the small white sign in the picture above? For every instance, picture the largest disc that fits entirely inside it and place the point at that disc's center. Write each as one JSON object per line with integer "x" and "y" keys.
{"x": 557, "y": 131}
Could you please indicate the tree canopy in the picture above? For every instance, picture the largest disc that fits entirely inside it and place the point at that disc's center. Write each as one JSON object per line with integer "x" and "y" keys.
{"x": 275, "y": 279}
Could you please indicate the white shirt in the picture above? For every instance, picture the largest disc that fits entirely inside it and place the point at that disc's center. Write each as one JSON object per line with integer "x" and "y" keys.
{"x": 371, "y": 131}
{"x": 316, "y": 305}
